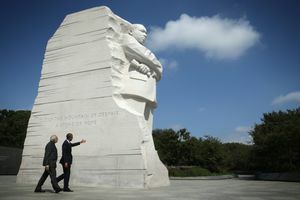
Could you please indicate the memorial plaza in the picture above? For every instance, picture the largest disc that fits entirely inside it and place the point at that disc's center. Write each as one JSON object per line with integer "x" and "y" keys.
{"x": 226, "y": 189}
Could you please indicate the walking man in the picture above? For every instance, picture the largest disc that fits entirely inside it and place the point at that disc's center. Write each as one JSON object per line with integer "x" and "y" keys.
{"x": 66, "y": 160}
{"x": 49, "y": 162}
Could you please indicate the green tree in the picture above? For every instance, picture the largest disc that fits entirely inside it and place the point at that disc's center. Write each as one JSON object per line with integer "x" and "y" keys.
{"x": 181, "y": 149}
{"x": 276, "y": 142}
{"x": 213, "y": 154}
{"x": 186, "y": 147}
{"x": 167, "y": 145}
{"x": 13, "y": 125}
{"x": 238, "y": 157}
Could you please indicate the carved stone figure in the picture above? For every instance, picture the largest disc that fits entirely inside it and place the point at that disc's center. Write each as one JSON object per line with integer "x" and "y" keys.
{"x": 98, "y": 81}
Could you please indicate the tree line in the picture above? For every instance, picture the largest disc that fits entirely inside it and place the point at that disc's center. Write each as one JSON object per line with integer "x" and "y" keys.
{"x": 275, "y": 146}
{"x": 13, "y": 127}
{"x": 179, "y": 148}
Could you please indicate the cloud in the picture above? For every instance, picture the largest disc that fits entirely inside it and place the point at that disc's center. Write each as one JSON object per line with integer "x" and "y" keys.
{"x": 238, "y": 138}
{"x": 216, "y": 37}
{"x": 201, "y": 109}
{"x": 242, "y": 129}
{"x": 240, "y": 134}
{"x": 290, "y": 97}
{"x": 169, "y": 64}
{"x": 177, "y": 127}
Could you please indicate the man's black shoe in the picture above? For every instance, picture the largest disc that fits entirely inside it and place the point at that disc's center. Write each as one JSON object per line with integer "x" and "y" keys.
{"x": 58, "y": 190}
{"x": 68, "y": 190}
{"x": 39, "y": 190}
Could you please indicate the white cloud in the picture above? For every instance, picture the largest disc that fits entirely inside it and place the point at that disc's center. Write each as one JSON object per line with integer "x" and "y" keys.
{"x": 242, "y": 129}
{"x": 169, "y": 64}
{"x": 290, "y": 97}
{"x": 201, "y": 109}
{"x": 239, "y": 138}
{"x": 216, "y": 37}
{"x": 177, "y": 127}
{"x": 240, "y": 134}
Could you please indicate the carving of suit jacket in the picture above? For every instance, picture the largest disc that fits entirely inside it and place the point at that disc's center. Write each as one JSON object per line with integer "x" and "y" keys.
{"x": 50, "y": 156}
{"x": 67, "y": 152}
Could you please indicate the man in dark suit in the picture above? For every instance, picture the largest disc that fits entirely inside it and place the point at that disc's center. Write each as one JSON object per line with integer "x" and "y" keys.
{"x": 49, "y": 162}
{"x": 66, "y": 160}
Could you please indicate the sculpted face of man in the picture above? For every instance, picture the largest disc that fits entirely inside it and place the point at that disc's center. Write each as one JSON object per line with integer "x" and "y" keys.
{"x": 139, "y": 32}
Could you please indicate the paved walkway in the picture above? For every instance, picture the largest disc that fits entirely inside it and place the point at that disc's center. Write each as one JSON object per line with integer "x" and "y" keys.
{"x": 229, "y": 189}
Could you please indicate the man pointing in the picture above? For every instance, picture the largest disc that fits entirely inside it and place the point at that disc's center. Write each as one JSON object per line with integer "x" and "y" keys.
{"x": 66, "y": 160}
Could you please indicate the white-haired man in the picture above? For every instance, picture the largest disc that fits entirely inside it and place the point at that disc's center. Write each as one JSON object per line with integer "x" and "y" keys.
{"x": 50, "y": 159}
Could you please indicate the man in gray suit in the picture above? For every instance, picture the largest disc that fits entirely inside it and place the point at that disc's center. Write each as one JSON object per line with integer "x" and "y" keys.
{"x": 49, "y": 162}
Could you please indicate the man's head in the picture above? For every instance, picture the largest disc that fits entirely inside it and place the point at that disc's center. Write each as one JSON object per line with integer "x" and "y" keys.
{"x": 54, "y": 138}
{"x": 69, "y": 136}
{"x": 139, "y": 32}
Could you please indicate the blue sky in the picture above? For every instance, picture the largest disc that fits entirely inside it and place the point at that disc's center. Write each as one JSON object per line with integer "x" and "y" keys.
{"x": 225, "y": 62}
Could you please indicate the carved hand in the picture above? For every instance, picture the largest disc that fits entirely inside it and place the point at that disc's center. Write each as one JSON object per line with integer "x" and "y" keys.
{"x": 154, "y": 75}
{"x": 144, "y": 68}
{"x": 140, "y": 67}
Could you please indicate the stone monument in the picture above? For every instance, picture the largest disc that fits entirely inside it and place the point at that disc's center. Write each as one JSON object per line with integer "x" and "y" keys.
{"x": 98, "y": 81}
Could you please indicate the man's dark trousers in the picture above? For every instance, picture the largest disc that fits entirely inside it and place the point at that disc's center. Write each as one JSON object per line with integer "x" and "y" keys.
{"x": 52, "y": 173}
{"x": 65, "y": 176}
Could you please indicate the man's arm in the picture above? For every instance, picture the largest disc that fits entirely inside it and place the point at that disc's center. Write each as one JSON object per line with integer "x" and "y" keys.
{"x": 78, "y": 143}
{"x": 47, "y": 155}
{"x": 75, "y": 144}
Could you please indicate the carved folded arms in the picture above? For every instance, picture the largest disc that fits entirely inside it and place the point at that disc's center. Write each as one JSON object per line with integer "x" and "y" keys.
{"x": 144, "y": 69}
